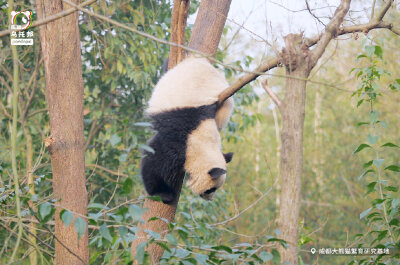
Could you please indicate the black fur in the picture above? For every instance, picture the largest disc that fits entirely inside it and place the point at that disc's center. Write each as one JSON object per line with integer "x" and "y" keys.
{"x": 163, "y": 170}
{"x": 216, "y": 172}
{"x": 228, "y": 157}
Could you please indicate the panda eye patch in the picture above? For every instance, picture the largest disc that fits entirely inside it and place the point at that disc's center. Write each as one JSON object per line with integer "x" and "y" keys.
{"x": 210, "y": 190}
{"x": 216, "y": 172}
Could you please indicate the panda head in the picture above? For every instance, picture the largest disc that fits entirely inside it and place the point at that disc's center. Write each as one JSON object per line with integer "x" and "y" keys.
{"x": 205, "y": 162}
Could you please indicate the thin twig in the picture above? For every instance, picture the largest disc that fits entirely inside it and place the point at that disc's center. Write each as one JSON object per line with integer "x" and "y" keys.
{"x": 312, "y": 14}
{"x": 271, "y": 93}
{"x": 247, "y": 208}
{"x": 116, "y": 173}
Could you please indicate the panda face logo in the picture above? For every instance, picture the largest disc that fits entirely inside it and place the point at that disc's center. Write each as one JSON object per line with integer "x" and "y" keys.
{"x": 21, "y": 20}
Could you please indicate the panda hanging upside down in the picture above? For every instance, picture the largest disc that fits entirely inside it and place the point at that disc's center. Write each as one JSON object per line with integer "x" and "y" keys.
{"x": 187, "y": 121}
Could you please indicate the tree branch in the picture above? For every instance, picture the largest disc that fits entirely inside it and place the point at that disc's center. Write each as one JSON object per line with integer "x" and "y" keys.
{"x": 107, "y": 170}
{"x": 312, "y": 14}
{"x": 330, "y": 31}
{"x": 245, "y": 79}
{"x": 272, "y": 63}
{"x": 383, "y": 11}
{"x": 271, "y": 93}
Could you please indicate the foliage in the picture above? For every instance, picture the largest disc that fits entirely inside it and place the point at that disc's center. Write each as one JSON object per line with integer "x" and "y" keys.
{"x": 383, "y": 214}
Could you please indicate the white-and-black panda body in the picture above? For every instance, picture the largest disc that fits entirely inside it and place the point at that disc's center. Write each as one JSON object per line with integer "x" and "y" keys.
{"x": 187, "y": 133}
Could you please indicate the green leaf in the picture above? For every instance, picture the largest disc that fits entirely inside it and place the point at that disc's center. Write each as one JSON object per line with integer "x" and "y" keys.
{"x": 224, "y": 248}
{"x": 80, "y": 226}
{"x": 147, "y": 148}
{"x": 304, "y": 240}
{"x": 359, "y": 57}
{"x": 67, "y": 217}
{"x": 201, "y": 258}
{"x": 44, "y": 210}
{"x": 181, "y": 253}
{"x": 127, "y": 186}
{"x": 266, "y": 256}
{"x": 378, "y": 51}
{"x": 123, "y": 157}
{"x": 153, "y": 234}
{"x": 277, "y": 257}
{"x": 368, "y": 164}
{"x": 171, "y": 239}
{"x": 395, "y": 222}
{"x": 362, "y": 123}
{"x": 395, "y": 206}
{"x": 135, "y": 212}
{"x": 105, "y": 233}
{"x": 365, "y": 213}
{"x": 389, "y": 145}
{"x": 360, "y": 148}
{"x": 378, "y": 162}
{"x": 369, "y": 49}
{"x": 140, "y": 252}
{"x": 393, "y": 168}
{"x": 114, "y": 140}
{"x": 365, "y": 173}
{"x": 391, "y": 188}
{"x": 371, "y": 187}
{"x": 373, "y": 116}
{"x": 372, "y": 139}
{"x": 123, "y": 231}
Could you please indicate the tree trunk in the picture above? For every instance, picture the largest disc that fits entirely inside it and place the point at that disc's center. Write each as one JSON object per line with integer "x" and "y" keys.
{"x": 155, "y": 208}
{"x": 209, "y": 24}
{"x": 296, "y": 60}
{"x": 64, "y": 94}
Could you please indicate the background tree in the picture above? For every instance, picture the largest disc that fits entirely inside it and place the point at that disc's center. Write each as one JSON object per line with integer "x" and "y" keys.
{"x": 64, "y": 95}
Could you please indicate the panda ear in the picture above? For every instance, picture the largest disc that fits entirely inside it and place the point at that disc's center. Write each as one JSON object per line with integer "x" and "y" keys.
{"x": 216, "y": 172}
{"x": 228, "y": 157}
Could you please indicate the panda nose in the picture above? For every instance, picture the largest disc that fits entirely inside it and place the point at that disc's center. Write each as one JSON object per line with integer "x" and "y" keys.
{"x": 208, "y": 194}
{"x": 210, "y": 190}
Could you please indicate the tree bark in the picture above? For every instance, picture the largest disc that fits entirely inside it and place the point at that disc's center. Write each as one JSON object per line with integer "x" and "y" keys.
{"x": 155, "y": 208}
{"x": 296, "y": 59}
{"x": 64, "y": 94}
{"x": 209, "y": 24}
{"x": 178, "y": 26}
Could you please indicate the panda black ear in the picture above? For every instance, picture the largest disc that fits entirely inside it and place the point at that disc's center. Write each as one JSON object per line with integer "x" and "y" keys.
{"x": 216, "y": 172}
{"x": 228, "y": 157}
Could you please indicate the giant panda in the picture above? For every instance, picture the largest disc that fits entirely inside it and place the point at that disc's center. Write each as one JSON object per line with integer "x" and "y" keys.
{"x": 187, "y": 120}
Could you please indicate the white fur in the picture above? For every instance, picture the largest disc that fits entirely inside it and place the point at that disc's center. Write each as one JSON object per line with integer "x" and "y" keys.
{"x": 200, "y": 157}
{"x": 194, "y": 82}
